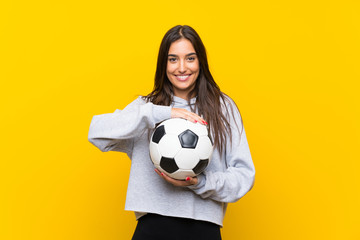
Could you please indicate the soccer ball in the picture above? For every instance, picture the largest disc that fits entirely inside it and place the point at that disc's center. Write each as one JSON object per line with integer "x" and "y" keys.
{"x": 180, "y": 148}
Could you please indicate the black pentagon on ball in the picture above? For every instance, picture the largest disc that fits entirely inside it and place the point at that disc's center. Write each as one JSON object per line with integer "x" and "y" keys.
{"x": 168, "y": 164}
{"x": 188, "y": 139}
{"x": 202, "y": 164}
{"x": 158, "y": 134}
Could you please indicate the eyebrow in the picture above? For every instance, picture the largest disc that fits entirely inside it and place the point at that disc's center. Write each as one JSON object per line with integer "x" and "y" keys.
{"x": 174, "y": 55}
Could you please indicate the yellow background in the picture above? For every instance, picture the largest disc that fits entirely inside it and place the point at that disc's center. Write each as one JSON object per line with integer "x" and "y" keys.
{"x": 291, "y": 66}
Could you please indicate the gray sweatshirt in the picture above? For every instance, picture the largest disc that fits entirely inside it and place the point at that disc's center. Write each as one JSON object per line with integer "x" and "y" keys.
{"x": 229, "y": 176}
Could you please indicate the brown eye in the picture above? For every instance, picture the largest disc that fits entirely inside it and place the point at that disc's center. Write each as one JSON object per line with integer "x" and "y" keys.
{"x": 172, "y": 59}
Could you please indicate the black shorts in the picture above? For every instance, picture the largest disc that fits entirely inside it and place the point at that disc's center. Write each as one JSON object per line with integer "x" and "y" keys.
{"x": 158, "y": 227}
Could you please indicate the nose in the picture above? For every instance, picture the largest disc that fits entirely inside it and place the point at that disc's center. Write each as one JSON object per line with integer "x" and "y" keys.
{"x": 182, "y": 66}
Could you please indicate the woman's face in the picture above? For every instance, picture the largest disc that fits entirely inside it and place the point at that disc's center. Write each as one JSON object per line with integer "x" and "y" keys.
{"x": 182, "y": 67}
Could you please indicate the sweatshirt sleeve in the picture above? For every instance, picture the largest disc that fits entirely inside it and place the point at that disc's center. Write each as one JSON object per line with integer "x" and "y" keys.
{"x": 117, "y": 131}
{"x": 238, "y": 178}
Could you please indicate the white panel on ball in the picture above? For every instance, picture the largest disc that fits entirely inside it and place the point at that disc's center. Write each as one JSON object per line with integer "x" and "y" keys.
{"x": 182, "y": 174}
{"x": 175, "y": 126}
{"x": 198, "y": 128}
{"x": 154, "y": 153}
{"x": 187, "y": 158}
{"x": 169, "y": 145}
{"x": 204, "y": 147}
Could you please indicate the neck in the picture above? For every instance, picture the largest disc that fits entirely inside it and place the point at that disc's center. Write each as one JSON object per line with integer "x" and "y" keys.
{"x": 184, "y": 95}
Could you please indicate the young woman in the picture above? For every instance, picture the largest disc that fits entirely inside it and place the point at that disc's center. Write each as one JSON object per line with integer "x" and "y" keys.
{"x": 184, "y": 88}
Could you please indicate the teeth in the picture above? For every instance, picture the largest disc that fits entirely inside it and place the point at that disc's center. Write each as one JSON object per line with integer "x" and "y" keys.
{"x": 183, "y": 77}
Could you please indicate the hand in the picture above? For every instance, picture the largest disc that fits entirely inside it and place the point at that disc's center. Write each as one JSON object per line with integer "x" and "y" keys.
{"x": 179, "y": 183}
{"x": 185, "y": 114}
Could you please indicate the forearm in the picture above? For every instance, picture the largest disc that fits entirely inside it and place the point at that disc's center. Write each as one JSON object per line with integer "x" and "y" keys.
{"x": 120, "y": 127}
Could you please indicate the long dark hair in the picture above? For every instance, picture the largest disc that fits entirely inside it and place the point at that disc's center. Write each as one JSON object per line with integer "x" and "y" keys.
{"x": 209, "y": 98}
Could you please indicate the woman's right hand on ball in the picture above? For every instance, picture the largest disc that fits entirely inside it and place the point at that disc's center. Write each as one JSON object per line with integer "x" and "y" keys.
{"x": 185, "y": 114}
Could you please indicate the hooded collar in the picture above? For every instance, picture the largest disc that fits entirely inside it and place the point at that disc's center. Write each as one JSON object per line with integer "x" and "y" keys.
{"x": 178, "y": 101}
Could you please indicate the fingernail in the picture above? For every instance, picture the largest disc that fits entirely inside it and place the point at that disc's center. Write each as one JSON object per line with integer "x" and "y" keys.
{"x": 195, "y": 121}
{"x": 162, "y": 174}
{"x": 187, "y": 179}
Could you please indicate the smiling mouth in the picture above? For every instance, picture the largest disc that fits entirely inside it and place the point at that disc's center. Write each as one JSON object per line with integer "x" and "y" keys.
{"x": 182, "y": 77}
